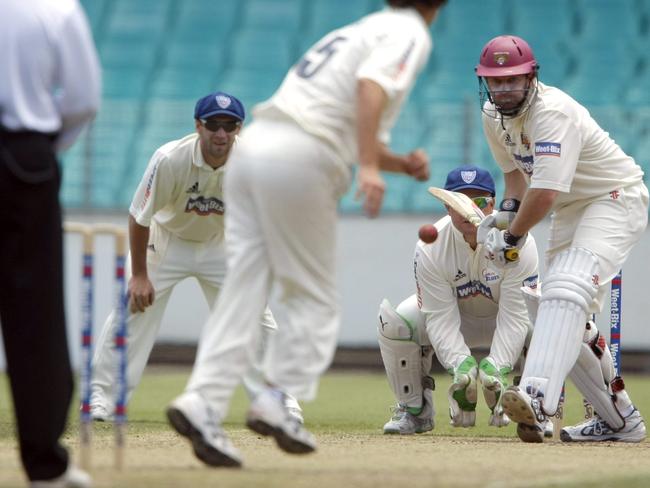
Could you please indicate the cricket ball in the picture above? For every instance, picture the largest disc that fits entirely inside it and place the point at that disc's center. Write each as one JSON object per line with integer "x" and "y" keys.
{"x": 428, "y": 233}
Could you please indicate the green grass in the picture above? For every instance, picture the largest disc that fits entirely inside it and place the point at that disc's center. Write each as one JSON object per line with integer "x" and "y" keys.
{"x": 347, "y": 419}
{"x": 354, "y": 402}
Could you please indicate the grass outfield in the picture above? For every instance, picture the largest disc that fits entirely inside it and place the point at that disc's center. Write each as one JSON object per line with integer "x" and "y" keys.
{"x": 347, "y": 419}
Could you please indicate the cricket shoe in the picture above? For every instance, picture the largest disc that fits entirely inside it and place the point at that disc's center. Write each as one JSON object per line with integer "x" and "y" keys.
{"x": 526, "y": 412}
{"x": 405, "y": 423}
{"x": 596, "y": 429}
{"x": 190, "y": 415}
{"x": 269, "y": 415}
{"x": 293, "y": 408}
{"x": 99, "y": 413}
{"x": 72, "y": 478}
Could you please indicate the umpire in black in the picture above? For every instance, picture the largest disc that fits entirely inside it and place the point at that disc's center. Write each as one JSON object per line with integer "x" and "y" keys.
{"x": 49, "y": 90}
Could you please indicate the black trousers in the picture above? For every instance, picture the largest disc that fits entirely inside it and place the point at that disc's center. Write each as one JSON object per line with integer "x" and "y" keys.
{"x": 31, "y": 299}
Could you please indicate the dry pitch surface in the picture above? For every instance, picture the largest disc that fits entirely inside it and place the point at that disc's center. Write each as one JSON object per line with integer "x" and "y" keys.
{"x": 351, "y": 456}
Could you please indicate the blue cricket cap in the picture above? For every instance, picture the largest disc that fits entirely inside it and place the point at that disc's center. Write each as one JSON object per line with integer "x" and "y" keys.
{"x": 470, "y": 176}
{"x": 219, "y": 103}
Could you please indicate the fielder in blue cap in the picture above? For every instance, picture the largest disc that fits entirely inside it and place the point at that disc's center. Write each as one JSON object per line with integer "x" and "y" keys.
{"x": 469, "y": 176}
{"x": 177, "y": 230}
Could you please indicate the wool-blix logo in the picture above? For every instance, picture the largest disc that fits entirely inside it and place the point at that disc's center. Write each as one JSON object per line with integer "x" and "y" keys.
{"x": 472, "y": 289}
{"x": 204, "y": 206}
{"x": 548, "y": 149}
{"x": 223, "y": 101}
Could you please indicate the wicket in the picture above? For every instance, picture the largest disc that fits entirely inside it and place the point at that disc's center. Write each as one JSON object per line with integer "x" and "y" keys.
{"x": 88, "y": 233}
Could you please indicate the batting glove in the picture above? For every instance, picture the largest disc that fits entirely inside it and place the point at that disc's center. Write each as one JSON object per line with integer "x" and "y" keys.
{"x": 494, "y": 381}
{"x": 502, "y": 247}
{"x": 462, "y": 394}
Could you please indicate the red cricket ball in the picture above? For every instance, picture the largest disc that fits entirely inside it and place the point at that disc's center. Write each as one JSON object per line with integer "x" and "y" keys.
{"x": 428, "y": 233}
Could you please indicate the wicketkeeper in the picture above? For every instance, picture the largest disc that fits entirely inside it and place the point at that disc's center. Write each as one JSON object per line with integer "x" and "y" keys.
{"x": 463, "y": 301}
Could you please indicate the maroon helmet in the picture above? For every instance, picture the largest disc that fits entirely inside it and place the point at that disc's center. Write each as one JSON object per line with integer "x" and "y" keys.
{"x": 506, "y": 56}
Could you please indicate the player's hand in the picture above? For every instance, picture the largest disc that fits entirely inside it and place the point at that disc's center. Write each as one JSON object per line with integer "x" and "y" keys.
{"x": 462, "y": 394}
{"x": 499, "y": 250}
{"x": 141, "y": 293}
{"x": 494, "y": 381}
{"x": 486, "y": 225}
{"x": 371, "y": 186}
{"x": 417, "y": 165}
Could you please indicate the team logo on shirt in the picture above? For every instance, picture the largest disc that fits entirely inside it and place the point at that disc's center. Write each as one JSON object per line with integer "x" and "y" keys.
{"x": 223, "y": 101}
{"x": 548, "y": 149}
{"x": 473, "y": 289}
{"x": 525, "y": 162}
{"x": 525, "y": 141}
{"x": 205, "y": 206}
{"x": 468, "y": 176}
{"x": 489, "y": 275}
{"x": 530, "y": 282}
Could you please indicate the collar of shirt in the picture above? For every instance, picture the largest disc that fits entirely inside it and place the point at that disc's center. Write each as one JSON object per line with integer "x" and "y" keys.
{"x": 199, "y": 161}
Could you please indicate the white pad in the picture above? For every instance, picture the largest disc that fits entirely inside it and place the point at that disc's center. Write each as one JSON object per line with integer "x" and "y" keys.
{"x": 567, "y": 294}
{"x": 407, "y": 363}
{"x": 592, "y": 375}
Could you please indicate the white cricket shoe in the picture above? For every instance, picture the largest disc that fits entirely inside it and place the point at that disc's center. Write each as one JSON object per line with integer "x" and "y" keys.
{"x": 526, "y": 412}
{"x": 596, "y": 429}
{"x": 547, "y": 428}
{"x": 269, "y": 415}
{"x": 405, "y": 423}
{"x": 191, "y": 416}
{"x": 293, "y": 408}
{"x": 99, "y": 413}
{"x": 72, "y": 478}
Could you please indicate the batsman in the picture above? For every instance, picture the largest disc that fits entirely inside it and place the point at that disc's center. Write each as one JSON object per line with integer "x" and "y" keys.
{"x": 556, "y": 159}
{"x": 463, "y": 301}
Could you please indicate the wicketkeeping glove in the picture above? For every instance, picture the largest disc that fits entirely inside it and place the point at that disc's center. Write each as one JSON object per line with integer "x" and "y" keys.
{"x": 462, "y": 393}
{"x": 494, "y": 381}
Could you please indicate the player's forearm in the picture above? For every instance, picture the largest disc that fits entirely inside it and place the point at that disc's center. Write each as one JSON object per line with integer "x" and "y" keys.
{"x": 536, "y": 205}
{"x": 515, "y": 185}
{"x": 371, "y": 101}
{"x": 389, "y": 161}
{"x": 138, "y": 241}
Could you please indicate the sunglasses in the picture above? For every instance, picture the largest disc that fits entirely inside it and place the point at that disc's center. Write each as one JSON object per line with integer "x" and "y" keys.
{"x": 226, "y": 125}
{"x": 482, "y": 202}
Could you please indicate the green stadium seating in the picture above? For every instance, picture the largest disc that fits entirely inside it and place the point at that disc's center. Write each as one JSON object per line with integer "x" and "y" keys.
{"x": 160, "y": 56}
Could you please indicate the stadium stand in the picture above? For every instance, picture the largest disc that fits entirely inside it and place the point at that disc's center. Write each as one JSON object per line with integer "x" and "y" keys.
{"x": 159, "y": 56}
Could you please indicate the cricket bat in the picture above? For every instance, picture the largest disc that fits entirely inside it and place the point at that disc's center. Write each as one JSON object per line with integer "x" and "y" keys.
{"x": 464, "y": 205}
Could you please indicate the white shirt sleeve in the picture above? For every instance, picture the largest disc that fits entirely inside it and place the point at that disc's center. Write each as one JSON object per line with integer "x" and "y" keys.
{"x": 557, "y": 144}
{"x": 512, "y": 319}
{"x": 79, "y": 78}
{"x": 496, "y": 144}
{"x": 156, "y": 189}
{"x": 394, "y": 62}
{"x": 440, "y": 307}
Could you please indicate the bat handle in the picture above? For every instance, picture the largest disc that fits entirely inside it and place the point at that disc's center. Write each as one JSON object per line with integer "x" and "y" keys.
{"x": 512, "y": 254}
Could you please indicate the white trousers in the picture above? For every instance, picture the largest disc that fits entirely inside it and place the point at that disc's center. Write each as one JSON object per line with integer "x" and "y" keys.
{"x": 282, "y": 187}
{"x": 171, "y": 261}
{"x": 609, "y": 227}
{"x": 452, "y": 343}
